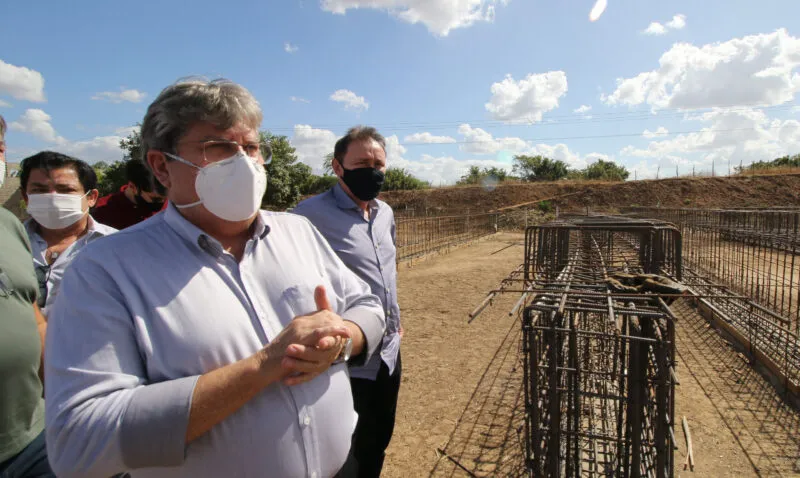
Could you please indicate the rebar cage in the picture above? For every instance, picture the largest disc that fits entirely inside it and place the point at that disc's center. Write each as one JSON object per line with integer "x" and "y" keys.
{"x": 598, "y": 366}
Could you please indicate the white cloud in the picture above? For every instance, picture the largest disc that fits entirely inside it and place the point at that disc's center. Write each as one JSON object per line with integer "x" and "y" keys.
{"x": 582, "y": 109}
{"x": 131, "y": 96}
{"x": 394, "y": 150}
{"x": 298, "y": 99}
{"x": 21, "y": 83}
{"x": 479, "y": 141}
{"x": 350, "y": 100}
{"x": 37, "y": 123}
{"x": 442, "y": 170}
{"x": 655, "y": 28}
{"x": 526, "y": 100}
{"x": 737, "y": 136}
{"x": 289, "y": 48}
{"x": 5, "y": 104}
{"x": 661, "y": 131}
{"x": 439, "y": 16}
{"x": 678, "y": 22}
{"x": 428, "y": 138}
{"x": 101, "y": 148}
{"x": 312, "y": 145}
{"x": 756, "y": 70}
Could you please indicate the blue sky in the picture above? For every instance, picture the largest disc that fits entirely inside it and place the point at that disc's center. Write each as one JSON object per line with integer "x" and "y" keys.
{"x": 451, "y": 83}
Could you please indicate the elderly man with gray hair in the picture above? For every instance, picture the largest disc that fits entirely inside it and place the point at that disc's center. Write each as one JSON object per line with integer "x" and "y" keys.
{"x": 213, "y": 338}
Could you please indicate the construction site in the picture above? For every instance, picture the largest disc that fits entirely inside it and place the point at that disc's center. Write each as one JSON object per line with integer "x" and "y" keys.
{"x": 634, "y": 341}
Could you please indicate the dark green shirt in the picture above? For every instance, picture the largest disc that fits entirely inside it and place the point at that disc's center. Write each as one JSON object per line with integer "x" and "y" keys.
{"x": 21, "y": 404}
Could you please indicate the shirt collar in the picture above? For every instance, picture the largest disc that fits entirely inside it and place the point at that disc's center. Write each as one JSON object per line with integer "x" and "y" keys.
{"x": 195, "y": 235}
{"x": 343, "y": 201}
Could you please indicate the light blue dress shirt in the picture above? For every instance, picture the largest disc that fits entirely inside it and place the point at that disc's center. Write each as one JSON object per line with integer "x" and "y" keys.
{"x": 55, "y": 271}
{"x": 143, "y": 313}
{"x": 368, "y": 248}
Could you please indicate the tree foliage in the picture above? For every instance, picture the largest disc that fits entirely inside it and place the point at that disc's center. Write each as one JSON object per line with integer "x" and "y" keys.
{"x": 539, "y": 168}
{"x": 476, "y": 175}
{"x": 400, "y": 179}
{"x": 782, "y": 162}
{"x": 606, "y": 171}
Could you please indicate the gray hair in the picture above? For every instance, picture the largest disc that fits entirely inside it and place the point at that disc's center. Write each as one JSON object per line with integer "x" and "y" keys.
{"x": 2, "y": 128}
{"x": 356, "y": 133}
{"x": 220, "y": 102}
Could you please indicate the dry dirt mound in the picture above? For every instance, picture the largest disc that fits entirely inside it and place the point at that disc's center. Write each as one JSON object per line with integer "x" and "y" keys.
{"x": 738, "y": 191}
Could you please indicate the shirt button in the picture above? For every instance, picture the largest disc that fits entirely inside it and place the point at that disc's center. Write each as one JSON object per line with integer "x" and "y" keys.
{"x": 307, "y": 421}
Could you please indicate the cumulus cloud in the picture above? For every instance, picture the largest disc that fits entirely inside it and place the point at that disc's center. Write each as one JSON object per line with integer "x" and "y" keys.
{"x": 738, "y": 136}
{"x": 439, "y": 16}
{"x": 678, "y": 22}
{"x": 21, "y": 83}
{"x": 755, "y": 70}
{"x": 526, "y": 100}
{"x": 350, "y": 100}
{"x": 443, "y": 170}
{"x": 298, "y": 99}
{"x": 582, "y": 109}
{"x": 5, "y": 104}
{"x": 312, "y": 145}
{"x": 289, "y": 48}
{"x": 37, "y": 123}
{"x": 428, "y": 138}
{"x": 123, "y": 95}
{"x": 661, "y": 131}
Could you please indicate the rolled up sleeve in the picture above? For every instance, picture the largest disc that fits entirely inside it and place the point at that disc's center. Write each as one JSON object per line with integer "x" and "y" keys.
{"x": 103, "y": 416}
{"x": 359, "y": 304}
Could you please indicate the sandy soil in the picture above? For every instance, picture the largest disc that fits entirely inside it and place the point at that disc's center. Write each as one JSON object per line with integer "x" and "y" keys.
{"x": 461, "y": 397}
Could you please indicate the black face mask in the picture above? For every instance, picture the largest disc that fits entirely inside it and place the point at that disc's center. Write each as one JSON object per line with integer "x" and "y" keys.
{"x": 154, "y": 206}
{"x": 364, "y": 183}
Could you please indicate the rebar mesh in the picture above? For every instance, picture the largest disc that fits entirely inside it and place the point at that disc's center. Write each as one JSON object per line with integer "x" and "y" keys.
{"x": 598, "y": 376}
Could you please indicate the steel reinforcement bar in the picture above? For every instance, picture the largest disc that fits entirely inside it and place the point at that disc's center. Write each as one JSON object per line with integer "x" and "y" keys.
{"x": 754, "y": 253}
{"x": 420, "y": 236}
{"x": 744, "y": 264}
{"x": 598, "y": 366}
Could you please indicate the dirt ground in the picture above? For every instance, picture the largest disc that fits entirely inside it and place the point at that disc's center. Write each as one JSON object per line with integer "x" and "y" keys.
{"x": 460, "y": 410}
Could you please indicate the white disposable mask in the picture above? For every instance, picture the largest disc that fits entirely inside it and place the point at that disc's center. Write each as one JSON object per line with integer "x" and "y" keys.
{"x": 56, "y": 211}
{"x": 2, "y": 173}
{"x": 230, "y": 189}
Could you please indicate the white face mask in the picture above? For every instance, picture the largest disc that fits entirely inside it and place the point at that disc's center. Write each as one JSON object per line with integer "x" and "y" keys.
{"x": 56, "y": 211}
{"x": 230, "y": 189}
{"x": 2, "y": 173}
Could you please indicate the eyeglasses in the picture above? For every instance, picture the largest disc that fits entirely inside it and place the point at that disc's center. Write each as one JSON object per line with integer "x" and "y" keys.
{"x": 42, "y": 275}
{"x": 217, "y": 150}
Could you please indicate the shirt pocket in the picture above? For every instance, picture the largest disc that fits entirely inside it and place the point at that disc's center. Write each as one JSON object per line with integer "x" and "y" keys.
{"x": 299, "y": 298}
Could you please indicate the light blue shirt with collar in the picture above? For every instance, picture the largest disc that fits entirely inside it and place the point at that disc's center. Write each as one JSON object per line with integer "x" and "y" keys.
{"x": 368, "y": 248}
{"x": 55, "y": 272}
{"x": 148, "y": 310}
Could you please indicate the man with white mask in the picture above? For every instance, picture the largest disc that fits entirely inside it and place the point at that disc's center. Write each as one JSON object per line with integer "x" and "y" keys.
{"x": 58, "y": 190}
{"x": 220, "y": 333}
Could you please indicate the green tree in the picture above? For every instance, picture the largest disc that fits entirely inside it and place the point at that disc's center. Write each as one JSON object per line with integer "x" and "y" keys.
{"x": 539, "y": 168}
{"x": 318, "y": 184}
{"x": 400, "y": 179}
{"x": 606, "y": 171}
{"x": 111, "y": 178}
{"x": 286, "y": 178}
{"x": 132, "y": 145}
{"x": 476, "y": 175}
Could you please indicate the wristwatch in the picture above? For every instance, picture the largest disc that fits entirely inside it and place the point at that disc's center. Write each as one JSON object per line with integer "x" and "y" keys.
{"x": 344, "y": 355}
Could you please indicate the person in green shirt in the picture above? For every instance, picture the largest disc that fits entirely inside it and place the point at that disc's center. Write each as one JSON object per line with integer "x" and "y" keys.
{"x": 22, "y": 329}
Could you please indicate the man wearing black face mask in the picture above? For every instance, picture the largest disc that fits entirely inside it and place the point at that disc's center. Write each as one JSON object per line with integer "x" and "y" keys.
{"x": 361, "y": 230}
{"x": 139, "y": 199}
